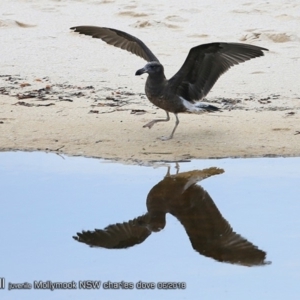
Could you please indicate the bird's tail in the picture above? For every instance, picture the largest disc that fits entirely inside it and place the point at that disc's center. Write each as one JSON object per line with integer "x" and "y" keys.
{"x": 198, "y": 107}
{"x": 206, "y": 107}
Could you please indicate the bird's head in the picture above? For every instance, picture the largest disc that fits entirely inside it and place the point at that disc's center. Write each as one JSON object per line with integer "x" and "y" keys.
{"x": 154, "y": 221}
{"x": 153, "y": 67}
{"x": 157, "y": 221}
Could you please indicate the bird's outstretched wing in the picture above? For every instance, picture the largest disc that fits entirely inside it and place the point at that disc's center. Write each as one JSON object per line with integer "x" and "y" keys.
{"x": 212, "y": 236}
{"x": 118, "y": 39}
{"x": 117, "y": 236}
{"x": 206, "y": 63}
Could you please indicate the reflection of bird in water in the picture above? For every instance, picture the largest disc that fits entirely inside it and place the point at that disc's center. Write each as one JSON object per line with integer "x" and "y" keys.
{"x": 210, "y": 234}
{"x": 198, "y": 74}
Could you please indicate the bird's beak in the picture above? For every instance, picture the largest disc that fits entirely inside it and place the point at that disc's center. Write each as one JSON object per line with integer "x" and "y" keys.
{"x": 141, "y": 71}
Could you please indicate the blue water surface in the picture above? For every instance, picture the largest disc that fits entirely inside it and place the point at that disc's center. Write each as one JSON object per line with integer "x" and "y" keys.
{"x": 46, "y": 199}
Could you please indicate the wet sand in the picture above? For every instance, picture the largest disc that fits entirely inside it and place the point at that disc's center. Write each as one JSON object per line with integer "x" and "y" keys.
{"x": 71, "y": 94}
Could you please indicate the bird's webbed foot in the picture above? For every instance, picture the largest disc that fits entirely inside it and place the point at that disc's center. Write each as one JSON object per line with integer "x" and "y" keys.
{"x": 150, "y": 124}
{"x": 165, "y": 138}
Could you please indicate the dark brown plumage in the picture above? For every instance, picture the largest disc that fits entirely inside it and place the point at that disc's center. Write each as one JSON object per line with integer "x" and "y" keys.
{"x": 200, "y": 71}
{"x": 209, "y": 233}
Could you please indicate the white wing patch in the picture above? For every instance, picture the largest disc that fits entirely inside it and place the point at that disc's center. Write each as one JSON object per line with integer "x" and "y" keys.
{"x": 196, "y": 108}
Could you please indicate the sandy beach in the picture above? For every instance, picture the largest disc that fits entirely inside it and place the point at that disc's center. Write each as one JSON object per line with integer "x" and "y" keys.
{"x": 68, "y": 93}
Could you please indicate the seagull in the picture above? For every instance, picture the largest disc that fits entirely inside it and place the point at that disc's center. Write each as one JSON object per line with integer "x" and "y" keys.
{"x": 210, "y": 234}
{"x": 183, "y": 92}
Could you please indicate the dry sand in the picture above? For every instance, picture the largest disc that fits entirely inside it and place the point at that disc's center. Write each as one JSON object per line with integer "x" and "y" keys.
{"x": 71, "y": 94}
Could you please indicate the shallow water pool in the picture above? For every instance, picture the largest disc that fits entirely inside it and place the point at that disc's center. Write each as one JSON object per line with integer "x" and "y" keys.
{"x": 47, "y": 199}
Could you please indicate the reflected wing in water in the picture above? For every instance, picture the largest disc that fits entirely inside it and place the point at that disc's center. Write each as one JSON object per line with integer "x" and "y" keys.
{"x": 211, "y": 235}
{"x": 117, "y": 236}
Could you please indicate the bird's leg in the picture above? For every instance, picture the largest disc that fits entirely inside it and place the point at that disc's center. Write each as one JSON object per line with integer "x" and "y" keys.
{"x": 150, "y": 124}
{"x": 168, "y": 172}
{"x": 171, "y": 136}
